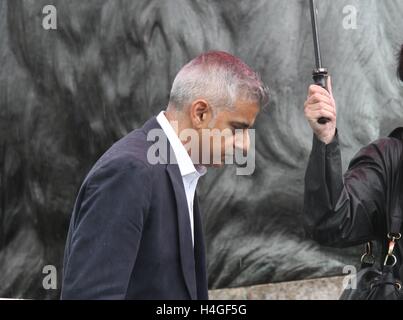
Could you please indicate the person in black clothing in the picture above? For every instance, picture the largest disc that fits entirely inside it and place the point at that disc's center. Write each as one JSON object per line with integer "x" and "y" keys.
{"x": 359, "y": 207}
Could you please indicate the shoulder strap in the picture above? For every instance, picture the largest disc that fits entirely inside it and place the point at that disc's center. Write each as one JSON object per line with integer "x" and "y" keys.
{"x": 395, "y": 218}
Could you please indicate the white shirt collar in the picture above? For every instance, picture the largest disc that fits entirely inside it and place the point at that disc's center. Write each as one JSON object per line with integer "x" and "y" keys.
{"x": 185, "y": 163}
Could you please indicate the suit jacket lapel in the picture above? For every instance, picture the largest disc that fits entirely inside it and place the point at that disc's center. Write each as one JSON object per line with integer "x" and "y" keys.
{"x": 187, "y": 253}
{"x": 200, "y": 253}
{"x": 185, "y": 236}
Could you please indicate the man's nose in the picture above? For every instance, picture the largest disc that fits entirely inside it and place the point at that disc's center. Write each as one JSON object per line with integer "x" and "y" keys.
{"x": 242, "y": 141}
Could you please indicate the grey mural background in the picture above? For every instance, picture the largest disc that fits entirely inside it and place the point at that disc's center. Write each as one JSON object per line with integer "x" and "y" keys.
{"x": 66, "y": 95}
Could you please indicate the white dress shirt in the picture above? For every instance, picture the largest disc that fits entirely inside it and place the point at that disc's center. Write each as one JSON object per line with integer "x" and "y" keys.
{"x": 190, "y": 175}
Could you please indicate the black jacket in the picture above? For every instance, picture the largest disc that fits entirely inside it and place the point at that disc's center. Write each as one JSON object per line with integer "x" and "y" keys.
{"x": 343, "y": 212}
{"x": 130, "y": 235}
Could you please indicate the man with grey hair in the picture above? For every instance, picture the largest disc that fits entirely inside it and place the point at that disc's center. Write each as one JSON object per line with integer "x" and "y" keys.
{"x": 136, "y": 230}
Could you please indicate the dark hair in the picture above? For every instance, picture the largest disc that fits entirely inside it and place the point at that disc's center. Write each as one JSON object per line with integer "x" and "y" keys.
{"x": 400, "y": 68}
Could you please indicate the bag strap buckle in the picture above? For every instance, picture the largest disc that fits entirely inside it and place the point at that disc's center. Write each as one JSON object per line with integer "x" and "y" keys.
{"x": 392, "y": 244}
{"x": 368, "y": 257}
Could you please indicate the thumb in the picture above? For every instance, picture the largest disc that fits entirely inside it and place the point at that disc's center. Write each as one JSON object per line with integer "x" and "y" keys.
{"x": 329, "y": 85}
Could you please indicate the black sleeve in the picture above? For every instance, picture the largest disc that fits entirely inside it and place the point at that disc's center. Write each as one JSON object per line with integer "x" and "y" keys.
{"x": 345, "y": 212}
{"x": 106, "y": 233}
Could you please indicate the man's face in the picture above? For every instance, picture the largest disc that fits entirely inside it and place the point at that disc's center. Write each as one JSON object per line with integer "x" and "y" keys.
{"x": 227, "y": 133}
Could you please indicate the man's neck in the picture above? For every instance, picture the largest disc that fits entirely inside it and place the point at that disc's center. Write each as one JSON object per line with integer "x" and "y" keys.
{"x": 179, "y": 124}
{"x": 176, "y": 121}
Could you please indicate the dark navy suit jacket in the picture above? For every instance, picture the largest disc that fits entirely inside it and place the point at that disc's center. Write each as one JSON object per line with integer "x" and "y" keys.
{"x": 129, "y": 235}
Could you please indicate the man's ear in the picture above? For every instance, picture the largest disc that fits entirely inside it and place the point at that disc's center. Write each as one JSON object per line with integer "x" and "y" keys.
{"x": 200, "y": 114}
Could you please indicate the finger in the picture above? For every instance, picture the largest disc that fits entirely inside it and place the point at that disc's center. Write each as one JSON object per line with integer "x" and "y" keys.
{"x": 316, "y": 115}
{"x": 319, "y": 107}
{"x": 317, "y": 98}
{"x": 317, "y": 89}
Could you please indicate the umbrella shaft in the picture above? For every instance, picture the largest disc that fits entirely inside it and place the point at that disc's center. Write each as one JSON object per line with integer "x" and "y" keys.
{"x": 318, "y": 57}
